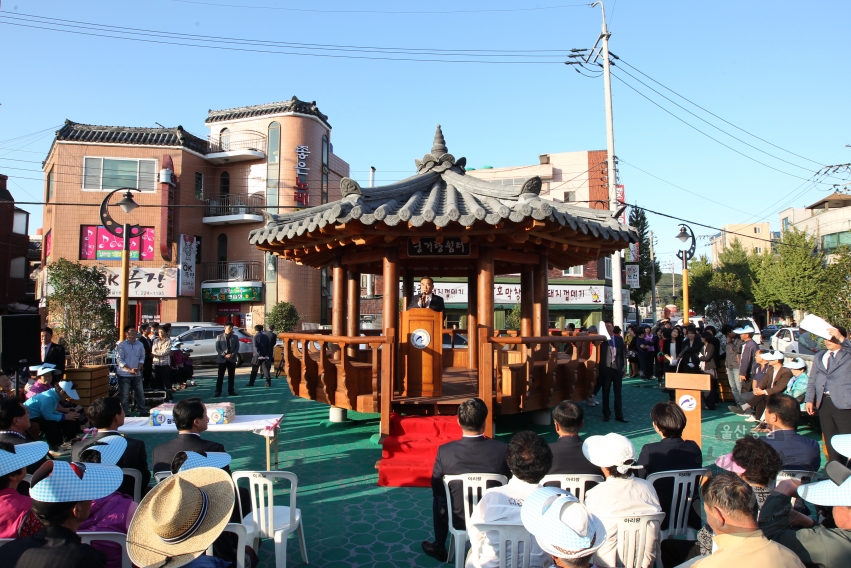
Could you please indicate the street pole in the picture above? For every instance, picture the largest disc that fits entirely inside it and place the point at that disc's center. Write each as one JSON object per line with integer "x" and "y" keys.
{"x": 652, "y": 279}
{"x": 673, "y": 280}
{"x": 686, "y": 254}
{"x": 617, "y": 283}
{"x": 685, "y": 291}
{"x": 125, "y": 280}
{"x": 128, "y": 232}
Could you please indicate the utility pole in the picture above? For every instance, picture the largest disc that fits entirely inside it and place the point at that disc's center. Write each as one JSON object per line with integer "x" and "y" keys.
{"x": 652, "y": 279}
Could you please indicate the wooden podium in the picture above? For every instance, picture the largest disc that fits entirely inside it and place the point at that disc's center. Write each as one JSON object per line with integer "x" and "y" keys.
{"x": 422, "y": 352}
{"x": 688, "y": 388}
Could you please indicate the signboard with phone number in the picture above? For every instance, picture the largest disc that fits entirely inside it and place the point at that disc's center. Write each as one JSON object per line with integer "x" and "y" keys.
{"x": 430, "y": 246}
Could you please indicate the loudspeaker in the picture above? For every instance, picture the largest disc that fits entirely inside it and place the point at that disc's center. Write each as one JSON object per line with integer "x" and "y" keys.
{"x": 19, "y": 339}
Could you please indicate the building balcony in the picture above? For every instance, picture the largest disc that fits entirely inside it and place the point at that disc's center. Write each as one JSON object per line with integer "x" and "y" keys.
{"x": 232, "y": 209}
{"x": 230, "y": 147}
{"x": 232, "y": 271}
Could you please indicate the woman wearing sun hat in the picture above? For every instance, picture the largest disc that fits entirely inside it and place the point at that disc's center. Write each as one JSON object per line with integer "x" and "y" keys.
{"x": 797, "y": 387}
{"x": 55, "y": 425}
{"x": 15, "y": 519}
{"x": 180, "y": 518}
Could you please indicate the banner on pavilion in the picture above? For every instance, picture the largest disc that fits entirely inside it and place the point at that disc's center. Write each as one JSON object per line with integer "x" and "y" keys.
{"x": 456, "y": 293}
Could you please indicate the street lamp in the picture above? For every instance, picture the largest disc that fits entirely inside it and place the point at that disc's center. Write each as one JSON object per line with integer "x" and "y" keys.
{"x": 126, "y": 232}
{"x": 686, "y": 255}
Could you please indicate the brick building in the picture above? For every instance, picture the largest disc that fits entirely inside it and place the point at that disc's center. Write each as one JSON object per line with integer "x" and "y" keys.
{"x": 199, "y": 198}
{"x": 14, "y": 247}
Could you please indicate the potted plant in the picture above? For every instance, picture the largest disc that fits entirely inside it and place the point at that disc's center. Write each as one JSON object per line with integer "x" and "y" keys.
{"x": 77, "y": 306}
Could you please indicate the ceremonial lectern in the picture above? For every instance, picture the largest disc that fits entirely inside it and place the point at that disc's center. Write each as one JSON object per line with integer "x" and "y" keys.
{"x": 422, "y": 352}
{"x": 688, "y": 388}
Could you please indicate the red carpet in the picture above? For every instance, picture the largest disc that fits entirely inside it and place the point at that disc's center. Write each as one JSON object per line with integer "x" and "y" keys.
{"x": 409, "y": 451}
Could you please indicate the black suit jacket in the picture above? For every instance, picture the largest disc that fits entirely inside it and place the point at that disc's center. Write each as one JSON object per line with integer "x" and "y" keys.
{"x": 135, "y": 457}
{"x": 620, "y": 355}
{"x": 670, "y": 454}
{"x": 56, "y": 547}
{"x": 55, "y": 355}
{"x": 262, "y": 347}
{"x": 568, "y": 457}
{"x": 164, "y": 453}
{"x": 467, "y": 455}
{"x": 436, "y": 303}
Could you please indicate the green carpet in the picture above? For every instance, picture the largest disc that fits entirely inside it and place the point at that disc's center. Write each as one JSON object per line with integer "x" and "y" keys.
{"x": 348, "y": 519}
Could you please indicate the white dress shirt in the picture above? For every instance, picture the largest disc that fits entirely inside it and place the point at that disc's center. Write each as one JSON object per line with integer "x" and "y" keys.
{"x": 619, "y": 498}
{"x": 501, "y": 505}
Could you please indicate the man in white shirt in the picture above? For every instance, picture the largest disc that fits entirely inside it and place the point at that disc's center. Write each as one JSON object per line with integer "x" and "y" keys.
{"x": 129, "y": 360}
{"x": 529, "y": 458}
{"x": 622, "y": 494}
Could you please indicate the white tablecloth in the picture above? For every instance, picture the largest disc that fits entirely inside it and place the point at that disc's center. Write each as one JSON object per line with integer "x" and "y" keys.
{"x": 241, "y": 423}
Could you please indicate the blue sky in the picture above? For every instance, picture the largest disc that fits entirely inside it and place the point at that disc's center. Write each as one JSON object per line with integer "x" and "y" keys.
{"x": 776, "y": 69}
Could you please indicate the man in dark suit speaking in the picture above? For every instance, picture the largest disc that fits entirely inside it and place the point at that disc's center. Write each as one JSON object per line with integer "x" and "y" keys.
{"x": 829, "y": 388}
{"x": 473, "y": 453}
{"x": 427, "y": 298}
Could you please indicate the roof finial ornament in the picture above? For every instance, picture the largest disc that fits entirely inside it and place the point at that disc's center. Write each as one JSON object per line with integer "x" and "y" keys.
{"x": 439, "y": 147}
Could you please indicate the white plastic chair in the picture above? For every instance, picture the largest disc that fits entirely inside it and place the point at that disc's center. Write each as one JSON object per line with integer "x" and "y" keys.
{"x": 160, "y": 476}
{"x": 804, "y": 476}
{"x": 268, "y": 521}
{"x": 513, "y": 535}
{"x": 137, "y": 482}
{"x": 632, "y": 538}
{"x": 473, "y": 487}
{"x": 576, "y": 484}
{"x": 686, "y": 487}
{"x": 116, "y": 537}
{"x": 241, "y": 534}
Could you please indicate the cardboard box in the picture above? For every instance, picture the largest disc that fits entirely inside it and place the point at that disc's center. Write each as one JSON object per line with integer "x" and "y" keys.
{"x": 221, "y": 412}
{"x": 162, "y": 415}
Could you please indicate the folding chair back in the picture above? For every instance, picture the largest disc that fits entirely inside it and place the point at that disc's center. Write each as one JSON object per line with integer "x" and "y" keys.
{"x": 239, "y": 530}
{"x": 137, "y": 482}
{"x": 116, "y": 537}
{"x": 686, "y": 486}
{"x": 577, "y": 484}
{"x": 632, "y": 538}
{"x": 512, "y": 538}
{"x": 161, "y": 476}
{"x": 473, "y": 487}
{"x": 803, "y": 475}
{"x": 262, "y": 487}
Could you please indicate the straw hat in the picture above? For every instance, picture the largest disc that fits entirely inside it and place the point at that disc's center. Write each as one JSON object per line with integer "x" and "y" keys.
{"x": 180, "y": 518}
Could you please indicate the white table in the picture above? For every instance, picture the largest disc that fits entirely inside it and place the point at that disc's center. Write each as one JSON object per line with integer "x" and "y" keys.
{"x": 265, "y": 425}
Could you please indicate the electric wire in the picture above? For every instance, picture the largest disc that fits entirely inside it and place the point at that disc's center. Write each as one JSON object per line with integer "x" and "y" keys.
{"x": 383, "y": 12}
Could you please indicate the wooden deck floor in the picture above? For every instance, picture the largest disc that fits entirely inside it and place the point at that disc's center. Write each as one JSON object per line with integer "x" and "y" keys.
{"x": 459, "y": 384}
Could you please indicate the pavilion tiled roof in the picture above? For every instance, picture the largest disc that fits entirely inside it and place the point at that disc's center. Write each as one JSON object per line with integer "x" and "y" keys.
{"x": 291, "y": 106}
{"x": 440, "y": 194}
{"x": 93, "y": 134}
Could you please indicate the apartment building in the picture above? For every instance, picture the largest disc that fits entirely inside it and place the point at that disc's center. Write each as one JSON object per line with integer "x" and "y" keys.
{"x": 754, "y": 237}
{"x": 199, "y": 197}
{"x": 829, "y": 219}
{"x": 14, "y": 248}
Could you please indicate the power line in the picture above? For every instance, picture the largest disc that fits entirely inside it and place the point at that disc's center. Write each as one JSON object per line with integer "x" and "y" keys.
{"x": 388, "y": 12}
{"x": 30, "y": 134}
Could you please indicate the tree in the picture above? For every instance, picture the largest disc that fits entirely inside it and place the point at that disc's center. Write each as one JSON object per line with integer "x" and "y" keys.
{"x": 77, "y": 304}
{"x": 833, "y": 301}
{"x": 512, "y": 320}
{"x": 800, "y": 271}
{"x": 765, "y": 273}
{"x": 283, "y": 316}
{"x": 699, "y": 277}
{"x": 734, "y": 266}
{"x": 638, "y": 220}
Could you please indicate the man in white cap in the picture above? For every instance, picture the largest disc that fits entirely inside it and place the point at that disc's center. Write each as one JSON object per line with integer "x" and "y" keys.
{"x": 622, "y": 494}
{"x": 774, "y": 381}
{"x": 821, "y": 546}
{"x": 56, "y": 425}
{"x": 746, "y": 360}
{"x": 563, "y": 527}
{"x": 829, "y": 388}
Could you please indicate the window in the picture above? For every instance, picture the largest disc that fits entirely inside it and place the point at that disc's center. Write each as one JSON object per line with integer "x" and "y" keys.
{"x": 193, "y": 335}
{"x": 224, "y": 183}
{"x": 785, "y": 224}
{"x": 608, "y": 267}
{"x": 224, "y": 139}
{"x": 569, "y": 196}
{"x": 18, "y": 267}
{"x": 223, "y": 248}
{"x": 836, "y": 240}
{"x": 196, "y": 312}
{"x": 20, "y": 220}
{"x": 197, "y": 252}
{"x": 51, "y": 179}
{"x": 105, "y": 174}
{"x": 573, "y": 271}
{"x": 757, "y": 230}
{"x": 273, "y": 167}
{"x": 758, "y": 250}
{"x": 199, "y": 185}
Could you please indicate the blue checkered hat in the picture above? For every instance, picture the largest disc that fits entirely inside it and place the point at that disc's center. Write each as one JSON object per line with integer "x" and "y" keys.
{"x": 21, "y": 456}
{"x": 561, "y": 524}
{"x": 110, "y": 448}
{"x": 833, "y": 492}
{"x": 217, "y": 460}
{"x": 842, "y": 444}
{"x": 63, "y": 482}
{"x": 68, "y": 387}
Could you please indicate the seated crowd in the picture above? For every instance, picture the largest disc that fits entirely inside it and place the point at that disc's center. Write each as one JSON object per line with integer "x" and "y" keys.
{"x": 174, "y": 524}
{"x": 750, "y": 515}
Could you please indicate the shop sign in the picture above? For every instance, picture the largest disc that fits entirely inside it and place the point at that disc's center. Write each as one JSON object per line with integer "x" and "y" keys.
{"x": 558, "y": 295}
{"x": 632, "y": 275}
{"x": 435, "y": 246}
{"x": 631, "y": 253}
{"x": 186, "y": 258}
{"x": 232, "y": 294}
{"x": 620, "y": 197}
{"x": 144, "y": 283}
{"x": 48, "y": 245}
{"x": 302, "y": 190}
{"x": 96, "y": 243}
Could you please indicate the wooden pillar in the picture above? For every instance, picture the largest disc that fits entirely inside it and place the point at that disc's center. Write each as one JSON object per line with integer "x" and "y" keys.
{"x": 390, "y": 306}
{"x": 485, "y": 285}
{"x": 472, "y": 318}
{"x": 407, "y": 288}
{"x": 338, "y": 291}
{"x": 527, "y": 297}
{"x": 541, "y": 324}
{"x": 353, "y": 309}
{"x": 485, "y": 269}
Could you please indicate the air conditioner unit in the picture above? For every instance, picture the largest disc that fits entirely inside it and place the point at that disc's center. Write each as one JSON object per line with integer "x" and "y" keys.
{"x": 237, "y": 271}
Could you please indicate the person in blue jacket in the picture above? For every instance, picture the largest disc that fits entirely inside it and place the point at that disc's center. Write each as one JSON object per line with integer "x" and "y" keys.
{"x": 57, "y": 426}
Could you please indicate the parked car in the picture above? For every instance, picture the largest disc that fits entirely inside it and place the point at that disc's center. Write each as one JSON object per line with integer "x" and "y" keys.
{"x": 769, "y": 331}
{"x": 202, "y": 342}
{"x": 794, "y": 340}
{"x": 183, "y": 326}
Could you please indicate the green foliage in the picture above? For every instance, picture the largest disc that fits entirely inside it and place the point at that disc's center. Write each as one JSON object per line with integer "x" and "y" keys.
{"x": 798, "y": 275}
{"x": 638, "y": 220}
{"x": 512, "y": 320}
{"x": 78, "y": 309}
{"x": 700, "y": 291}
{"x": 833, "y": 301}
{"x": 735, "y": 267}
{"x": 283, "y": 316}
{"x": 764, "y": 268}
